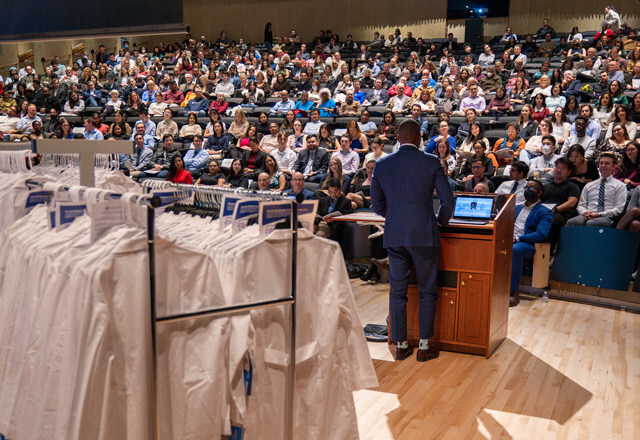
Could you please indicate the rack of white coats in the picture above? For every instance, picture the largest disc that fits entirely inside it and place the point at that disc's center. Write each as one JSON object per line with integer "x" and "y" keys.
{"x": 106, "y": 393}
{"x": 32, "y": 370}
{"x": 324, "y": 359}
{"x": 212, "y": 198}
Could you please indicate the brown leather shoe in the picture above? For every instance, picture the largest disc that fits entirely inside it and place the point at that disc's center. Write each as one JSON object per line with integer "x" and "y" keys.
{"x": 427, "y": 355}
{"x": 514, "y": 299}
{"x": 403, "y": 353}
{"x": 382, "y": 264}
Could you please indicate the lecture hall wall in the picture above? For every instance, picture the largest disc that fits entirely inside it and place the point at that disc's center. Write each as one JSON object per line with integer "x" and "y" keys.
{"x": 246, "y": 19}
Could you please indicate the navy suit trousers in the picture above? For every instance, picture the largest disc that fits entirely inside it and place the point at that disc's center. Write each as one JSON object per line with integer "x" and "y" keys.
{"x": 401, "y": 261}
{"x": 521, "y": 251}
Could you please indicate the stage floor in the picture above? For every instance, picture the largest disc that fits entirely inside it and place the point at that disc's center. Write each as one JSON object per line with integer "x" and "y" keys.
{"x": 566, "y": 370}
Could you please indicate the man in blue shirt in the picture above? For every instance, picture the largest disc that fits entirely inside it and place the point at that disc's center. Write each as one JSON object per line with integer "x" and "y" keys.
{"x": 283, "y": 106}
{"x": 140, "y": 160}
{"x": 196, "y": 159}
{"x": 424, "y": 124}
{"x": 149, "y": 126}
{"x": 358, "y": 94}
{"x": 25, "y": 124}
{"x": 198, "y": 105}
{"x": 147, "y": 139}
{"x": 90, "y": 131}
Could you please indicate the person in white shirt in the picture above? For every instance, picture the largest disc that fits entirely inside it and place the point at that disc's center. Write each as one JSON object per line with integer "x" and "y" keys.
{"x": 611, "y": 19}
{"x": 284, "y": 156}
{"x": 581, "y": 137}
{"x": 9, "y": 123}
{"x": 518, "y": 174}
{"x": 544, "y": 164}
{"x": 225, "y": 86}
{"x": 518, "y": 55}
{"x": 603, "y": 199}
{"x": 313, "y": 126}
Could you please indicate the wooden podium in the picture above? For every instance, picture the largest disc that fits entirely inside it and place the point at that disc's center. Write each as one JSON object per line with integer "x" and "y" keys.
{"x": 473, "y": 282}
{"x": 473, "y": 286}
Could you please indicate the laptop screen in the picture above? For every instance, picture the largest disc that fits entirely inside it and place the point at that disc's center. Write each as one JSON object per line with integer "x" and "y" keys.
{"x": 473, "y": 207}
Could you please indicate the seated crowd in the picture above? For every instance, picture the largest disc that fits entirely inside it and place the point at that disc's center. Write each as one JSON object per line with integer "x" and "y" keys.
{"x": 561, "y": 109}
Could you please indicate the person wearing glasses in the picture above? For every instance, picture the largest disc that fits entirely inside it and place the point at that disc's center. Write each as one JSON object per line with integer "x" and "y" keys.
{"x": 297, "y": 187}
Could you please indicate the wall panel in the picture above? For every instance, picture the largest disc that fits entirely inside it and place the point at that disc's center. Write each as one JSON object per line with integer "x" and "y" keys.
{"x": 246, "y": 19}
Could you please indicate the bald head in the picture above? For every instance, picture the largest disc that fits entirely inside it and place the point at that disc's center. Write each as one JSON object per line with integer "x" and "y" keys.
{"x": 409, "y": 132}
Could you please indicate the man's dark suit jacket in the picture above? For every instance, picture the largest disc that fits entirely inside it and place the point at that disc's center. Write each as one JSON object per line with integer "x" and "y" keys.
{"x": 402, "y": 188}
{"x": 320, "y": 164}
{"x": 343, "y": 205}
{"x": 384, "y": 97}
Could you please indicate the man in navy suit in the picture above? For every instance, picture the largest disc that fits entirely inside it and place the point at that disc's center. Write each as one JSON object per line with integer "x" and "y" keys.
{"x": 532, "y": 225}
{"x": 402, "y": 188}
{"x": 313, "y": 161}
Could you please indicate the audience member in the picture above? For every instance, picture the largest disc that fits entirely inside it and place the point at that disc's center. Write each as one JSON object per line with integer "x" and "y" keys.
{"x": 603, "y": 199}
{"x": 563, "y": 194}
{"x": 518, "y": 174}
{"x": 196, "y": 159}
{"x": 297, "y": 187}
{"x": 313, "y": 162}
{"x": 532, "y": 225}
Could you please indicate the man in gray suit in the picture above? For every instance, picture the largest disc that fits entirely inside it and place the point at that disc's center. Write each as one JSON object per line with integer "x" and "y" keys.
{"x": 402, "y": 188}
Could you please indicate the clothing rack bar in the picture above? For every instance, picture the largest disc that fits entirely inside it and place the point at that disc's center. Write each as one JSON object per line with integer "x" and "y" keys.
{"x": 155, "y": 428}
{"x": 150, "y": 201}
{"x": 222, "y": 311}
{"x": 292, "y": 321}
{"x": 87, "y": 151}
{"x": 15, "y": 146}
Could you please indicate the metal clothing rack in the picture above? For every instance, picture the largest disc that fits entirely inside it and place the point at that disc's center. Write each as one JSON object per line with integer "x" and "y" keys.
{"x": 15, "y": 146}
{"x": 230, "y": 310}
{"x": 153, "y": 202}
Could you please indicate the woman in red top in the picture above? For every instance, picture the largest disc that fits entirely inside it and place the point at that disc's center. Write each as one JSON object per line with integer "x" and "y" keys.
{"x": 220, "y": 104}
{"x": 540, "y": 109}
{"x": 177, "y": 173}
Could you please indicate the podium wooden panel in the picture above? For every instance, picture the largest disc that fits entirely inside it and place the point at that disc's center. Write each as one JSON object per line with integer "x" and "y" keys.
{"x": 475, "y": 272}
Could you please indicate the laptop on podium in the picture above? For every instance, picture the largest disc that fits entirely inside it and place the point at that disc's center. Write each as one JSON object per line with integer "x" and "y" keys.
{"x": 472, "y": 209}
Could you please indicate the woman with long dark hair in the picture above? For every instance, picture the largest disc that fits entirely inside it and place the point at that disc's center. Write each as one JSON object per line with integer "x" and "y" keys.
{"x": 603, "y": 110}
{"x": 635, "y": 108}
{"x": 387, "y": 130}
{"x": 540, "y": 109}
{"x": 572, "y": 108}
{"x": 561, "y": 127}
{"x": 525, "y": 124}
{"x": 622, "y": 115}
{"x": 616, "y": 91}
{"x": 585, "y": 170}
{"x": 177, "y": 173}
{"x": 121, "y": 120}
{"x": 616, "y": 143}
{"x": 236, "y": 173}
{"x": 628, "y": 170}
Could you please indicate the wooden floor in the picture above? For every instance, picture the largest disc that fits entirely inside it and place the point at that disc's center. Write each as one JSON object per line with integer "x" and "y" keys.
{"x": 566, "y": 370}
